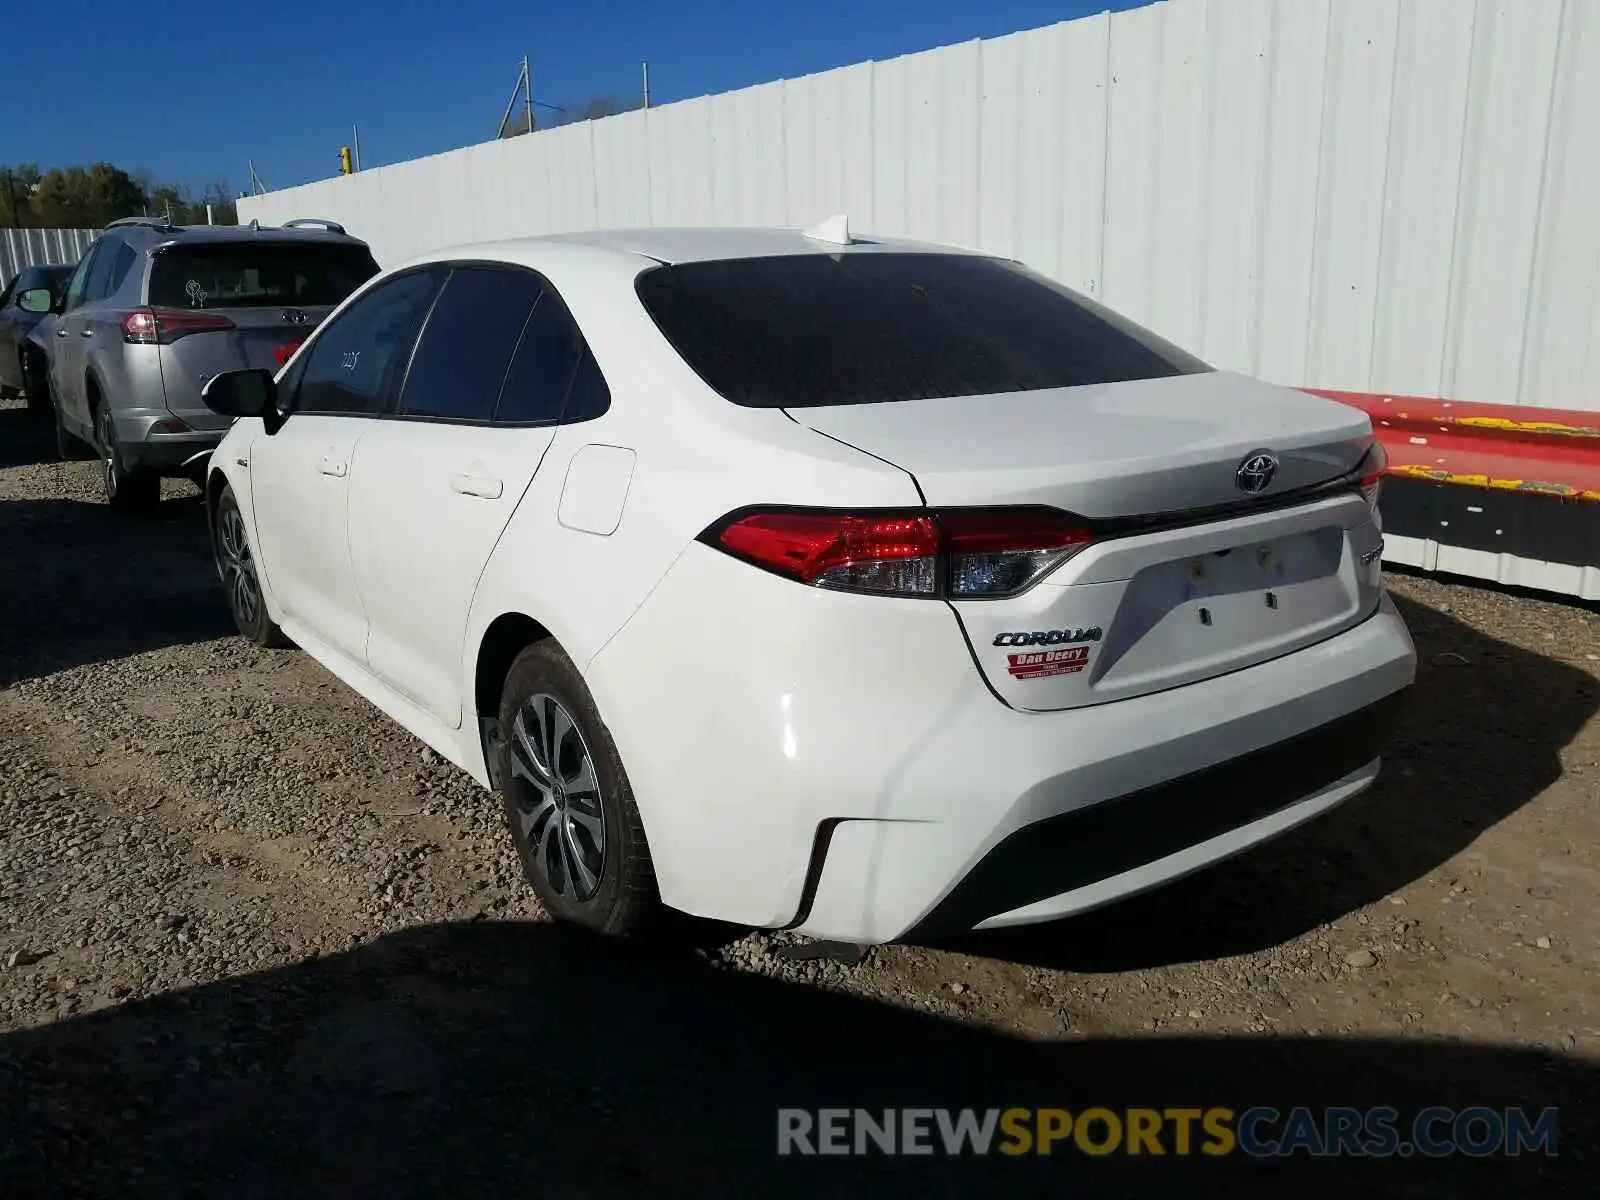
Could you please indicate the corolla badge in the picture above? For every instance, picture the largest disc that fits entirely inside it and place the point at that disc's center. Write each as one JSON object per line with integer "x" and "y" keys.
{"x": 1256, "y": 473}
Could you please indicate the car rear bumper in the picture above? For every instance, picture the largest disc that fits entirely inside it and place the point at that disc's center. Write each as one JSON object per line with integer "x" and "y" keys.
{"x": 835, "y": 764}
{"x": 149, "y": 441}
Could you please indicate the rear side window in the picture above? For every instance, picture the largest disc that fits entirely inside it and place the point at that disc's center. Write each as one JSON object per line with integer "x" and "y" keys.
{"x": 553, "y": 375}
{"x": 253, "y": 274}
{"x": 123, "y": 263}
{"x": 468, "y": 343}
{"x": 817, "y": 329}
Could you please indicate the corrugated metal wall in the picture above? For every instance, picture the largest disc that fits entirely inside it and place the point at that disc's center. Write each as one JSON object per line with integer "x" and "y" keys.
{"x": 1371, "y": 195}
{"x": 33, "y": 247}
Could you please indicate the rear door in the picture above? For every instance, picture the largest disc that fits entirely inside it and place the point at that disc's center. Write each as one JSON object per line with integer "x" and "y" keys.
{"x": 228, "y": 305}
{"x": 433, "y": 487}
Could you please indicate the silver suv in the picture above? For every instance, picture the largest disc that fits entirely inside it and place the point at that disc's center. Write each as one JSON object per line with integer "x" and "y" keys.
{"x": 154, "y": 310}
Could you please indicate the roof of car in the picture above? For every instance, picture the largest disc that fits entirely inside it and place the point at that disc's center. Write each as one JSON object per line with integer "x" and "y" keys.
{"x": 685, "y": 245}
{"x": 152, "y": 235}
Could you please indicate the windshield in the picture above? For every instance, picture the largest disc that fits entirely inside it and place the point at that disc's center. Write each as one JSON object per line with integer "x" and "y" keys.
{"x": 242, "y": 275}
{"x": 817, "y": 329}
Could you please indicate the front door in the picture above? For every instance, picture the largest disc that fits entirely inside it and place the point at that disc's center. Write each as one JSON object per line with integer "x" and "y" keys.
{"x": 300, "y": 476}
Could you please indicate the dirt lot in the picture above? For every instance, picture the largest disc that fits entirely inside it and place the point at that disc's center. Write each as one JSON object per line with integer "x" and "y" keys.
{"x": 255, "y": 940}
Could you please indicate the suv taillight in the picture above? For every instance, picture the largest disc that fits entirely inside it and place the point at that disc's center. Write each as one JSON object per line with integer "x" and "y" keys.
{"x": 1372, "y": 469}
{"x": 961, "y": 554}
{"x": 163, "y": 326}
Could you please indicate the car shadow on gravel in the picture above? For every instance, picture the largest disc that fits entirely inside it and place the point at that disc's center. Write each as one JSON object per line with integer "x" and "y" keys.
{"x": 80, "y": 584}
{"x": 1481, "y": 737}
{"x": 26, "y": 438}
{"x": 490, "y": 1059}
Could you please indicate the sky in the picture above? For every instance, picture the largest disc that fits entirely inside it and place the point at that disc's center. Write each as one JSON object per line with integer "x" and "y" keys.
{"x": 191, "y": 92}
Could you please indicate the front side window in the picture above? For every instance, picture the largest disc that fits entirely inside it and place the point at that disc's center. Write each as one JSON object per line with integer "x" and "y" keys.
{"x": 251, "y": 274}
{"x": 80, "y": 277}
{"x": 467, "y": 344}
{"x": 357, "y": 357}
{"x": 808, "y": 330}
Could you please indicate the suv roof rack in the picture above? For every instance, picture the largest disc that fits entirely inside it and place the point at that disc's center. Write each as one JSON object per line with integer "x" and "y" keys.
{"x": 314, "y": 223}
{"x": 162, "y": 223}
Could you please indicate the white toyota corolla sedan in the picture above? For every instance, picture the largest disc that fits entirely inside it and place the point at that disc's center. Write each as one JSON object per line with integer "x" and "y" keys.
{"x": 869, "y": 589}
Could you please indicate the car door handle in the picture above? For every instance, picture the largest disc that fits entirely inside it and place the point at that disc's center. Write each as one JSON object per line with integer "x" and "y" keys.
{"x": 85, "y": 333}
{"x": 333, "y": 466}
{"x": 477, "y": 485}
{"x": 61, "y": 333}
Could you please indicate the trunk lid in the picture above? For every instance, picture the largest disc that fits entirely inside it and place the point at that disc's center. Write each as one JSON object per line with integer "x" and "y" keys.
{"x": 1143, "y": 447}
{"x": 1160, "y": 598}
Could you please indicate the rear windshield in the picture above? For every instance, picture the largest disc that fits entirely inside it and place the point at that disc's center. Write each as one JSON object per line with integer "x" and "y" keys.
{"x": 236, "y": 275}
{"x": 818, "y": 329}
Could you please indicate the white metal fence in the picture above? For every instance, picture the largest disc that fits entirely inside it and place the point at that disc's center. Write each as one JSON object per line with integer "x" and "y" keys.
{"x": 1373, "y": 195}
{"x": 36, "y": 247}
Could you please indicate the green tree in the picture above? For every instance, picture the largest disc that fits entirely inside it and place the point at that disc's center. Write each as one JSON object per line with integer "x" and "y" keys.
{"x": 88, "y": 197}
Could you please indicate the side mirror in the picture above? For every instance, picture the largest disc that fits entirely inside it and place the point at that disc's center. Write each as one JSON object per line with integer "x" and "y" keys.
{"x": 36, "y": 300}
{"x": 251, "y": 393}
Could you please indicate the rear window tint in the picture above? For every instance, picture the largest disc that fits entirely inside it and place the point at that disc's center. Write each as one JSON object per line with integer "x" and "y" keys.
{"x": 244, "y": 275}
{"x": 808, "y": 330}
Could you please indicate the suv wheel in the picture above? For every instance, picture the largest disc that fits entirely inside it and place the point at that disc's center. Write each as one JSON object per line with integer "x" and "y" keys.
{"x": 567, "y": 798}
{"x": 126, "y": 491}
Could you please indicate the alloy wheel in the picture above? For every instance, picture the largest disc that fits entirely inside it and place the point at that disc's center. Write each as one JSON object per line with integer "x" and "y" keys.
{"x": 557, "y": 797}
{"x": 238, "y": 570}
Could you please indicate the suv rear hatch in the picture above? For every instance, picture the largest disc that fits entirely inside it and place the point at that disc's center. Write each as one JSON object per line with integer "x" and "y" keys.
{"x": 229, "y": 305}
{"x": 1197, "y": 521}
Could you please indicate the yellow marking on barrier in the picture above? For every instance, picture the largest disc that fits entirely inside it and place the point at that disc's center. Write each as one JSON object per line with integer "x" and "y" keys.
{"x": 1509, "y": 426}
{"x": 1435, "y": 475}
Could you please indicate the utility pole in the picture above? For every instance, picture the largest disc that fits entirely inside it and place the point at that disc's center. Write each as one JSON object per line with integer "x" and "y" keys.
{"x": 355, "y": 133}
{"x": 527, "y": 90}
{"x": 647, "y": 85}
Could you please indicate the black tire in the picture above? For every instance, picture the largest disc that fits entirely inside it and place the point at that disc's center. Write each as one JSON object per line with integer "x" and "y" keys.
{"x": 612, "y": 891}
{"x": 240, "y": 581}
{"x": 135, "y": 493}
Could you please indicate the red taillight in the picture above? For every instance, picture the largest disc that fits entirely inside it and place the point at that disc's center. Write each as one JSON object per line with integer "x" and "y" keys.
{"x": 163, "y": 326}
{"x": 1372, "y": 470}
{"x": 282, "y": 354}
{"x": 959, "y": 553}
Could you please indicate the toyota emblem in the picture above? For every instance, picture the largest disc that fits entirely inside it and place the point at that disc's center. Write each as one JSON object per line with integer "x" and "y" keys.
{"x": 1256, "y": 473}
{"x": 292, "y": 316}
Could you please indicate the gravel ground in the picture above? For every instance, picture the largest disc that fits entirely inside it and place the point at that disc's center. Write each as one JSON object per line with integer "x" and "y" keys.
{"x": 255, "y": 940}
